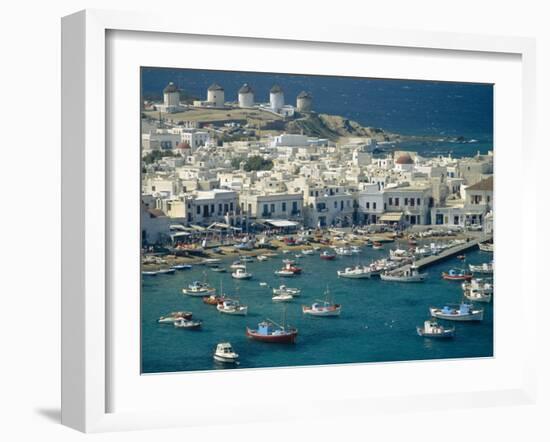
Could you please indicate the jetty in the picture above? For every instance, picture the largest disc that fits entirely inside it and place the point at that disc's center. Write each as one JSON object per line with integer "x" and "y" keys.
{"x": 445, "y": 254}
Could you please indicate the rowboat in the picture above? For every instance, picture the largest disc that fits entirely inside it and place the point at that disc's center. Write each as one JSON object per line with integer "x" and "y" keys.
{"x": 182, "y": 266}
{"x": 325, "y": 308}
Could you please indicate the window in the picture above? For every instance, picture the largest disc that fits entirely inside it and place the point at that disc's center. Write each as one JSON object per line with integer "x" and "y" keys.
{"x": 231, "y": 206}
{"x": 294, "y": 206}
{"x": 374, "y": 206}
{"x": 335, "y": 204}
{"x": 390, "y": 201}
{"x": 272, "y": 208}
{"x": 396, "y": 201}
{"x": 283, "y": 206}
{"x": 265, "y": 209}
{"x": 406, "y": 202}
{"x": 198, "y": 209}
{"x": 220, "y": 208}
{"x": 368, "y": 205}
{"x": 418, "y": 201}
{"x": 412, "y": 202}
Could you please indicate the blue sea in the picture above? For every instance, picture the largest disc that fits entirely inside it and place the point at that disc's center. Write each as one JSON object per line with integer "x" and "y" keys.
{"x": 457, "y": 118}
{"x": 378, "y": 320}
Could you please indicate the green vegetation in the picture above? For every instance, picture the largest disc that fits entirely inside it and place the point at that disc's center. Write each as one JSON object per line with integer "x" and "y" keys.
{"x": 253, "y": 163}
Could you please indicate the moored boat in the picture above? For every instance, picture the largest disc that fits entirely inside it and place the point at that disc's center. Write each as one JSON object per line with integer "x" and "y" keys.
{"x": 457, "y": 275}
{"x": 182, "y": 266}
{"x": 224, "y": 353}
{"x": 241, "y": 274}
{"x": 377, "y": 245}
{"x": 323, "y": 308}
{"x": 461, "y": 312}
{"x": 476, "y": 296}
{"x": 432, "y": 329}
{"x": 166, "y": 271}
{"x": 485, "y": 268}
{"x": 262, "y": 258}
{"x": 327, "y": 255}
{"x": 187, "y": 324}
{"x": 149, "y": 273}
{"x": 486, "y": 246}
{"x": 283, "y": 297}
{"x": 307, "y": 252}
{"x": 174, "y": 316}
{"x": 411, "y": 274}
{"x": 213, "y": 299}
{"x": 357, "y": 272}
{"x": 270, "y": 331}
{"x": 232, "y": 307}
{"x": 198, "y": 288}
{"x": 284, "y": 290}
{"x": 218, "y": 269}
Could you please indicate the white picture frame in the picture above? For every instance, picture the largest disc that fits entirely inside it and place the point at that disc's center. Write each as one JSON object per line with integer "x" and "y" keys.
{"x": 85, "y": 217}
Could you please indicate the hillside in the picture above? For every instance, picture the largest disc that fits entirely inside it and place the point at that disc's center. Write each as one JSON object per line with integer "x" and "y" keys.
{"x": 334, "y": 127}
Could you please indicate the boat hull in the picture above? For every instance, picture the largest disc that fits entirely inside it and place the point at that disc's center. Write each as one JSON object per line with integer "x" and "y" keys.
{"x": 444, "y": 335}
{"x": 436, "y": 313}
{"x": 287, "y": 338}
{"x": 322, "y": 313}
{"x": 354, "y": 275}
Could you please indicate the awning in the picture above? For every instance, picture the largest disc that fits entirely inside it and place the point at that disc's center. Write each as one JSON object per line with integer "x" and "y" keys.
{"x": 281, "y": 223}
{"x": 179, "y": 235}
{"x": 199, "y": 228}
{"x": 391, "y": 217}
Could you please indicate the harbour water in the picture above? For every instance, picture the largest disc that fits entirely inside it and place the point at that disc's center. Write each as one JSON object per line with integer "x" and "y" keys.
{"x": 377, "y": 323}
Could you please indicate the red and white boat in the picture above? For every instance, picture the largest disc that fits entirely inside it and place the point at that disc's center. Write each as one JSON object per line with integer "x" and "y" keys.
{"x": 327, "y": 255}
{"x": 270, "y": 331}
{"x": 457, "y": 275}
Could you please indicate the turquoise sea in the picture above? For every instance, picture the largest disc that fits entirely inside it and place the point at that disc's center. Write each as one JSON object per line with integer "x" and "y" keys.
{"x": 377, "y": 323}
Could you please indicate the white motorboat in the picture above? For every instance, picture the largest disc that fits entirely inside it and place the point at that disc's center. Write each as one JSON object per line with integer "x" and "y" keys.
{"x": 241, "y": 274}
{"x": 232, "y": 307}
{"x": 409, "y": 275}
{"x": 245, "y": 258}
{"x": 211, "y": 261}
{"x": 262, "y": 258}
{"x": 166, "y": 271}
{"x": 282, "y": 298}
{"x": 218, "y": 269}
{"x": 343, "y": 251}
{"x": 187, "y": 323}
{"x": 182, "y": 266}
{"x": 486, "y": 246}
{"x": 149, "y": 273}
{"x": 307, "y": 252}
{"x": 355, "y": 249}
{"x": 198, "y": 288}
{"x": 478, "y": 285}
{"x": 284, "y": 290}
{"x": 284, "y": 273}
{"x": 357, "y": 272}
{"x": 461, "y": 312}
{"x": 476, "y": 296}
{"x": 485, "y": 268}
{"x": 432, "y": 329}
{"x": 224, "y": 353}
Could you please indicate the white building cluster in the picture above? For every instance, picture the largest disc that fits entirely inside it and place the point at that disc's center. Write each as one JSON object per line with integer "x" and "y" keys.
{"x": 312, "y": 182}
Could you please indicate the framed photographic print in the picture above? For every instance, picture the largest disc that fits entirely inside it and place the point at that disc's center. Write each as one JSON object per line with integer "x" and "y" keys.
{"x": 303, "y": 218}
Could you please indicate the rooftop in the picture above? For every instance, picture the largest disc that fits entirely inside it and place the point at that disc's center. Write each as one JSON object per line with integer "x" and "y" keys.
{"x": 486, "y": 184}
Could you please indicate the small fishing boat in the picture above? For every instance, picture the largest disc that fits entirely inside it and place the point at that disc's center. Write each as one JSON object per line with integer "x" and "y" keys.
{"x": 486, "y": 246}
{"x": 263, "y": 284}
{"x": 355, "y": 250}
{"x": 357, "y": 272}
{"x": 149, "y": 273}
{"x": 409, "y": 275}
{"x": 262, "y": 258}
{"x": 232, "y": 307}
{"x": 182, "y": 266}
{"x": 270, "y": 331}
{"x": 432, "y": 329}
{"x": 343, "y": 251}
{"x": 283, "y": 297}
{"x": 485, "y": 268}
{"x": 476, "y": 296}
{"x": 377, "y": 245}
{"x": 456, "y": 275}
{"x": 198, "y": 288}
{"x": 326, "y": 255}
{"x": 218, "y": 269}
{"x": 245, "y": 259}
{"x": 461, "y": 312}
{"x": 174, "y": 316}
{"x": 166, "y": 271}
{"x": 241, "y": 274}
{"x": 307, "y": 252}
{"x": 284, "y": 290}
{"x": 187, "y": 324}
{"x": 325, "y": 308}
{"x": 399, "y": 255}
{"x": 461, "y": 257}
{"x": 225, "y": 354}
